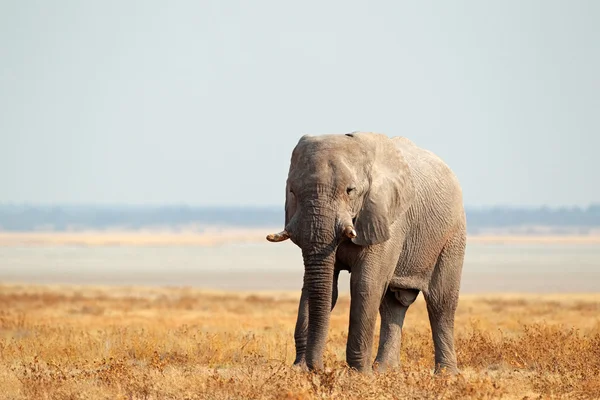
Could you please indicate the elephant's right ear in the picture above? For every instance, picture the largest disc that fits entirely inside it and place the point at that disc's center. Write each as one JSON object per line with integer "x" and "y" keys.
{"x": 390, "y": 194}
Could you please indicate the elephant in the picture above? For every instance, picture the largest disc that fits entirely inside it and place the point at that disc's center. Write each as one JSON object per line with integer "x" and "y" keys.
{"x": 390, "y": 213}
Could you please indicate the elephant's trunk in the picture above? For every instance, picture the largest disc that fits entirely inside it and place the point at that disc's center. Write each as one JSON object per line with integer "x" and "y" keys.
{"x": 318, "y": 252}
{"x": 318, "y": 279}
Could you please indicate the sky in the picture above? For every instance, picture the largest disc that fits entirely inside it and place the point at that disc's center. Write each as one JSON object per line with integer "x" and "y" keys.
{"x": 201, "y": 102}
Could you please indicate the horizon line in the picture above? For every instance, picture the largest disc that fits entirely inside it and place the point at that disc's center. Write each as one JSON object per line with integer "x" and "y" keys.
{"x": 39, "y": 204}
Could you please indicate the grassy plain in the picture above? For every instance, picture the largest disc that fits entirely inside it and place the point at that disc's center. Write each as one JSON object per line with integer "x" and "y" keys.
{"x": 87, "y": 342}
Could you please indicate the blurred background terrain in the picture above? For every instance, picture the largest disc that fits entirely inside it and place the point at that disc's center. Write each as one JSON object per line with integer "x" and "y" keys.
{"x": 509, "y": 249}
{"x": 511, "y": 220}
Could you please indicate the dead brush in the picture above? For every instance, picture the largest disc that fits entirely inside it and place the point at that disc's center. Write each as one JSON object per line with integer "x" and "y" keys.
{"x": 166, "y": 344}
{"x": 564, "y": 361}
{"x": 40, "y": 379}
{"x": 559, "y": 360}
{"x": 122, "y": 375}
{"x": 112, "y": 372}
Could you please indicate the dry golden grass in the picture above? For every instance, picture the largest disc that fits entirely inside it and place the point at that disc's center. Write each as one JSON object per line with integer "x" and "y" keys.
{"x": 75, "y": 342}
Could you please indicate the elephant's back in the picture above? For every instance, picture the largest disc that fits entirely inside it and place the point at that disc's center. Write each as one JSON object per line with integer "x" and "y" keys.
{"x": 433, "y": 179}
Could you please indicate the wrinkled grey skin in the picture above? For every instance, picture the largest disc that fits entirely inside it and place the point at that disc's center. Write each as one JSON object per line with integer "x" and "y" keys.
{"x": 407, "y": 210}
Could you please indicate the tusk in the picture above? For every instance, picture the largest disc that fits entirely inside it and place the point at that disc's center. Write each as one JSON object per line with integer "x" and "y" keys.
{"x": 278, "y": 237}
{"x": 350, "y": 232}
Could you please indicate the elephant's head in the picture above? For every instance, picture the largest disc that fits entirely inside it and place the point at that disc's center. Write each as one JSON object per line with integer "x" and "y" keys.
{"x": 340, "y": 187}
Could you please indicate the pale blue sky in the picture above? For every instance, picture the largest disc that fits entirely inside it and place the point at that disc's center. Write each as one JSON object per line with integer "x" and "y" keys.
{"x": 201, "y": 102}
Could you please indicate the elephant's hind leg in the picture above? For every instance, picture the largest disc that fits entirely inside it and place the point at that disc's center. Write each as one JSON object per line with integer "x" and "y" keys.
{"x": 392, "y": 311}
{"x": 442, "y": 300}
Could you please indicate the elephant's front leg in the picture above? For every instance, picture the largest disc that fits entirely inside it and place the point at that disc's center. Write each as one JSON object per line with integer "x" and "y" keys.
{"x": 301, "y": 331}
{"x": 366, "y": 293}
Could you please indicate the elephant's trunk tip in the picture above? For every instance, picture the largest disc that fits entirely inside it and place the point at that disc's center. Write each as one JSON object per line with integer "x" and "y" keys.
{"x": 278, "y": 237}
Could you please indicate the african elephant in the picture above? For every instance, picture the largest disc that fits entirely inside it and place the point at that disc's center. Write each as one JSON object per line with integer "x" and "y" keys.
{"x": 392, "y": 214}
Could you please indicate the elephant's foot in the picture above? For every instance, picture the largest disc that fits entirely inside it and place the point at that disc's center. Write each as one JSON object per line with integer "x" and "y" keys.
{"x": 300, "y": 363}
{"x": 362, "y": 367}
{"x": 384, "y": 366}
{"x": 314, "y": 363}
{"x": 446, "y": 369}
{"x": 301, "y": 367}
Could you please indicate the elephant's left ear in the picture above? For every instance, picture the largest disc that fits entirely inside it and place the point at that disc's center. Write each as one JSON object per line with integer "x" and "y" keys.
{"x": 390, "y": 194}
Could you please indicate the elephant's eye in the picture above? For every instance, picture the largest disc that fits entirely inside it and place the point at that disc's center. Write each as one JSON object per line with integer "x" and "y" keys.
{"x": 350, "y": 189}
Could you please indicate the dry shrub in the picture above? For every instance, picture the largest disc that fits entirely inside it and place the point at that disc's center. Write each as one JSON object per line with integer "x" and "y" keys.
{"x": 559, "y": 360}
{"x": 185, "y": 344}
